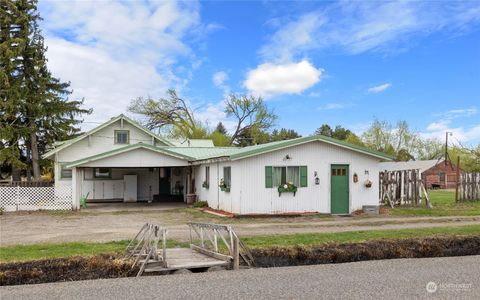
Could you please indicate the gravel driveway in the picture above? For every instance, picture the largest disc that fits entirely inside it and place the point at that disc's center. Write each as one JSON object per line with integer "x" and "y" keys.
{"x": 107, "y": 225}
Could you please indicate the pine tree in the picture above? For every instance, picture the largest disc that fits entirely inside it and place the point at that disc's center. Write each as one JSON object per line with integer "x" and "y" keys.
{"x": 221, "y": 128}
{"x": 37, "y": 109}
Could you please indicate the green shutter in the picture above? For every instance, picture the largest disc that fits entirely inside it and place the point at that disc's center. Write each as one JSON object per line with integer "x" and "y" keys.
{"x": 268, "y": 176}
{"x": 303, "y": 176}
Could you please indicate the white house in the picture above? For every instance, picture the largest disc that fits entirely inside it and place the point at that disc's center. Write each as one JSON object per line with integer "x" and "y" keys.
{"x": 122, "y": 161}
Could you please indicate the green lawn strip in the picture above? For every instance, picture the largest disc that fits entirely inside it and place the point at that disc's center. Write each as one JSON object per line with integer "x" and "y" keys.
{"x": 444, "y": 204}
{"x": 42, "y": 251}
{"x": 314, "y": 239}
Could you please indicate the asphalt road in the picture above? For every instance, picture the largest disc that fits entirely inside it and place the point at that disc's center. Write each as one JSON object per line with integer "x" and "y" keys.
{"x": 451, "y": 278}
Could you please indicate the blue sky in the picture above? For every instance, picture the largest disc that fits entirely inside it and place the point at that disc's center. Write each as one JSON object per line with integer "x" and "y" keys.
{"x": 343, "y": 63}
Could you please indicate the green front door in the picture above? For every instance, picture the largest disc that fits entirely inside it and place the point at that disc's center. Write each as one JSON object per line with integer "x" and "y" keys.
{"x": 339, "y": 189}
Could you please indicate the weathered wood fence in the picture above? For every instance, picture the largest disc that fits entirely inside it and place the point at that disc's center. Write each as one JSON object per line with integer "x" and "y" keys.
{"x": 403, "y": 187}
{"x": 468, "y": 187}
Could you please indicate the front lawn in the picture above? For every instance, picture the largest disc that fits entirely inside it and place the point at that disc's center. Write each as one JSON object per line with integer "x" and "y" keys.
{"x": 444, "y": 204}
{"x": 41, "y": 251}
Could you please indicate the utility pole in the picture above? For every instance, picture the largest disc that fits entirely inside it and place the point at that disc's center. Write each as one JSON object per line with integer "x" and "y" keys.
{"x": 446, "y": 145}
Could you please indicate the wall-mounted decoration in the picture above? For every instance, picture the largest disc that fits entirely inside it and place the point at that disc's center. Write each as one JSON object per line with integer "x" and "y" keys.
{"x": 368, "y": 183}
{"x": 317, "y": 180}
{"x": 355, "y": 177}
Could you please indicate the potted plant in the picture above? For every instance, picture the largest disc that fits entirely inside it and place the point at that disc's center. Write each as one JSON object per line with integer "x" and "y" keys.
{"x": 368, "y": 183}
{"x": 288, "y": 187}
{"x": 205, "y": 185}
{"x": 223, "y": 186}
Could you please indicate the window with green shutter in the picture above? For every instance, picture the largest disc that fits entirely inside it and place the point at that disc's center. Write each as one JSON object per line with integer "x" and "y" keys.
{"x": 277, "y": 176}
{"x": 268, "y": 176}
{"x": 303, "y": 176}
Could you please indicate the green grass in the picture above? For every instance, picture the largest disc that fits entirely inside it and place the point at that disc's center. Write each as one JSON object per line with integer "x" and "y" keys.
{"x": 444, "y": 204}
{"x": 313, "y": 239}
{"x": 41, "y": 251}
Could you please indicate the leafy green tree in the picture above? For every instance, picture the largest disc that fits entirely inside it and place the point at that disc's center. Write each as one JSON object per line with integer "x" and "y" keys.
{"x": 325, "y": 130}
{"x": 35, "y": 109}
{"x": 252, "y": 117}
{"x": 469, "y": 157}
{"x": 338, "y": 133}
{"x": 219, "y": 139}
{"x": 283, "y": 134}
{"x": 171, "y": 114}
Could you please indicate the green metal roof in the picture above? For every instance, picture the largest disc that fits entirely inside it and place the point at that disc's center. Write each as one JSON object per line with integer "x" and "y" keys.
{"x": 65, "y": 144}
{"x": 201, "y": 153}
{"x": 192, "y": 154}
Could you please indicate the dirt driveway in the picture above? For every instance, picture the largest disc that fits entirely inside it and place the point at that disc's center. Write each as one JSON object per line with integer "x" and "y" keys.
{"x": 106, "y": 224}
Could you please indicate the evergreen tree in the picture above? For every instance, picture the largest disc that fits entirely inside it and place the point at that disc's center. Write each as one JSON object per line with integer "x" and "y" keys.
{"x": 220, "y": 128}
{"x": 283, "y": 134}
{"x": 35, "y": 106}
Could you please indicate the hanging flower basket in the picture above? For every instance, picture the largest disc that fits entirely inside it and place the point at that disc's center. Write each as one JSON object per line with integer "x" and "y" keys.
{"x": 287, "y": 188}
{"x": 205, "y": 185}
{"x": 368, "y": 183}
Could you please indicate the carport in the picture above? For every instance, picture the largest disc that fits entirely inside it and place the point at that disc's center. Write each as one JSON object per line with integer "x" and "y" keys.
{"x": 137, "y": 173}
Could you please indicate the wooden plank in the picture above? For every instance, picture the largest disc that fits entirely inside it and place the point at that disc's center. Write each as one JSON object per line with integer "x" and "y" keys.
{"x": 211, "y": 253}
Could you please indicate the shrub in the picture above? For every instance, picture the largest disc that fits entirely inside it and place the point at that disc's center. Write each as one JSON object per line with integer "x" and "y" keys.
{"x": 200, "y": 204}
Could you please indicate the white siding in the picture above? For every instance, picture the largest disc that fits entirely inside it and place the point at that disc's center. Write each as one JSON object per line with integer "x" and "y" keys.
{"x": 102, "y": 141}
{"x": 249, "y": 196}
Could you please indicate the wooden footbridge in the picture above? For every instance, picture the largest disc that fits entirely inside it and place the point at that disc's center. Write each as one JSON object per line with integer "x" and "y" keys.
{"x": 211, "y": 245}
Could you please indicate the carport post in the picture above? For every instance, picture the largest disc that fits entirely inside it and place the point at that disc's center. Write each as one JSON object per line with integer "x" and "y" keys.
{"x": 76, "y": 177}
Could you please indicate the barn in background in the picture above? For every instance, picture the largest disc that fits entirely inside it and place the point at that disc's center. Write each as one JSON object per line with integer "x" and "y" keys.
{"x": 435, "y": 173}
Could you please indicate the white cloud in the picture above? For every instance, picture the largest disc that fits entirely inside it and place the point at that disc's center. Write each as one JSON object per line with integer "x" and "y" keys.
{"x": 335, "y": 106}
{"x": 213, "y": 114}
{"x": 295, "y": 36}
{"x": 219, "y": 79}
{"x": 114, "y": 51}
{"x": 273, "y": 79}
{"x": 462, "y": 133}
{"x": 379, "y": 88}
{"x": 357, "y": 27}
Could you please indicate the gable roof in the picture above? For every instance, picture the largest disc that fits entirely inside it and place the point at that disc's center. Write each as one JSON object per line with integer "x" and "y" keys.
{"x": 192, "y": 154}
{"x": 68, "y": 143}
{"x": 241, "y": 153}
{"x": 422, "y": 165}
{"x": 163, "y": 150}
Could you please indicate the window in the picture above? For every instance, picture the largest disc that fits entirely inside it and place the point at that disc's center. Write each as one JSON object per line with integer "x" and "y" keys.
{"x": 122, "y": 137}
{"x": 102, "y": 173}
{"x": 64, "y": 172}
{"x": 282, "y": 175}
{"x": 277, "y": 176}
{"x": 442, "y": 176}
{"x": 207, "y": 175}
{"x": 227, "y": 176}
{"x": 339, "y": 172}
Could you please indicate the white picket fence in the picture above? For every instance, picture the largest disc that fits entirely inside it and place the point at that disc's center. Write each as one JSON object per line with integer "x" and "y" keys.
{"x": 17, "y": 198}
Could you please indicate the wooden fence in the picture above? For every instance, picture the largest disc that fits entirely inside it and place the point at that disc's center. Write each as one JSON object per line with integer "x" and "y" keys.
{"x": 402, "y": 188}
{"x": 468, "y": 187}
